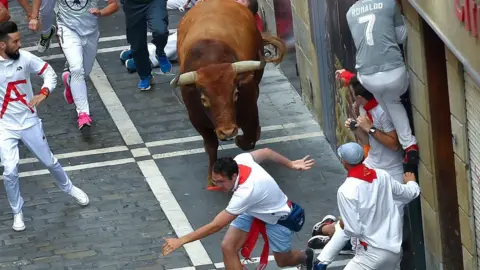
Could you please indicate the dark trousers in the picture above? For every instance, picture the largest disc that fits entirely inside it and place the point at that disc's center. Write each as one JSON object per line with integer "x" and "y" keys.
{"x": 140, "y": 16}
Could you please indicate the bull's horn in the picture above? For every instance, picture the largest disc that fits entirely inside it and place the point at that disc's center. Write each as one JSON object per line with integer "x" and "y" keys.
{"x": 245, "y": 66}
{"x": 184, "y": 79}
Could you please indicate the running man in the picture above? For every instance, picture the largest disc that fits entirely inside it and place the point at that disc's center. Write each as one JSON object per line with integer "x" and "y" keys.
{"x": 78, "y": 37}
{"x": 377, "y": 27}
{"x": 19, "y": 120}
{"x": 141, "y": 15}
{"x": 42, "y": 18}
{"x": 257, "y": 200}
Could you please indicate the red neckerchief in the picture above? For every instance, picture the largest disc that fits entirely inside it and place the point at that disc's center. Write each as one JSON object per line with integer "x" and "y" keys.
{"x": 257, "y": 227}
{"x": 369, "y": 106}
{"x": 362, "y": 172}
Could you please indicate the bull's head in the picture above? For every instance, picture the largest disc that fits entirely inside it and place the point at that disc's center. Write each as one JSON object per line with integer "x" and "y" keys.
{"x": 218, "y": 88}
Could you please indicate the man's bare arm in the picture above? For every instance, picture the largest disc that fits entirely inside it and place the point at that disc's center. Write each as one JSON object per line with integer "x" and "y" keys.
{"x": 4, "y": 14}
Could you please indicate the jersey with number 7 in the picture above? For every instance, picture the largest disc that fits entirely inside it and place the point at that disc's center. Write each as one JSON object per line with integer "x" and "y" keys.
{"x": 377, "y": 28}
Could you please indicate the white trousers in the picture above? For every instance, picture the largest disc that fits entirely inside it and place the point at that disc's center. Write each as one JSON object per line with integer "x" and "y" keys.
{"x": 34, "y": 139}
{"x": 170, "y": 50}
{"x": 374, "y": 259}
{"x": 80, "y": 52}
{"x": 334, "y": 246}
{"x": 387, "y": 87}
{"x": 46, "y": 16}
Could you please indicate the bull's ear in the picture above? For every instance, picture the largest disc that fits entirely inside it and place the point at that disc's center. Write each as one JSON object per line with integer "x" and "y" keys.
{"x": 244, "y": 78}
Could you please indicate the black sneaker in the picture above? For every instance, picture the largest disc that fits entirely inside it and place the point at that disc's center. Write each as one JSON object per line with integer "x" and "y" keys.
{"x": 44, "y": 42}
{"x": 317, "y": 228}
{"x": 318, "y": 241}
{"x": 310, "y": 260}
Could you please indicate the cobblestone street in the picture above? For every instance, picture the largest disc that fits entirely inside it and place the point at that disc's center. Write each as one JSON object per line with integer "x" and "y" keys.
{"x": 144, "y": 169}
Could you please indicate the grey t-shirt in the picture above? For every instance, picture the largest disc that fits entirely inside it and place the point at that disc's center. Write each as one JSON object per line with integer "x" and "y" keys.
{"x": 75, "y": 15}
{"x": 372, "y": 24}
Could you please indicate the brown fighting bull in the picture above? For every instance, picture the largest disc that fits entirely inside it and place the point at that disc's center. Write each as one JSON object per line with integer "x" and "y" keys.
{"x": 220, "y": 52}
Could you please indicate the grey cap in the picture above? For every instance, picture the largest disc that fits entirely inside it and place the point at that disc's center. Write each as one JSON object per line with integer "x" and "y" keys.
{"x": 352, "y": 153}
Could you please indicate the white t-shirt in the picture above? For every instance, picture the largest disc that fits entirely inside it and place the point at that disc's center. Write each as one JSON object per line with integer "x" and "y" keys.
{"x": 257, "y": 193}
{"x": 380, "y": 156}
{"x": 16, "y": 89}
{"x": 368, "y": 209}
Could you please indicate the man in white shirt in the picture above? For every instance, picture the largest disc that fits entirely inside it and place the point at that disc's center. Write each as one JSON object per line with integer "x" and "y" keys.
{"x": 256, "y": 197}
{"x": 369, "y": 212}
{"x": 19, "y": 119}
{"x": 374, "y": 128}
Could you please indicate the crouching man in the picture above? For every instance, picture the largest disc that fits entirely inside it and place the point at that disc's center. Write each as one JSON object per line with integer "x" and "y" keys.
{"x": 257, "y": 205}
{"x": 369, "y": 212}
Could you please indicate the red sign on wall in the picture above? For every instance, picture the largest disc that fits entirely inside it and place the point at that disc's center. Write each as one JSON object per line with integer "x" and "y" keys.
{"x": 468, "y": 12}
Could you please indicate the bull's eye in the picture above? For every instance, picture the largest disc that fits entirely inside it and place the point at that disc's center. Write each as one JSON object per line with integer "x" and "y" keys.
{"x": 235, "y": 95}
{"x": 205, "y": 101}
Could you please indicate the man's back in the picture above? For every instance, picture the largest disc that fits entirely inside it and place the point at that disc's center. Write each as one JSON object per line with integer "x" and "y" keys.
{"x": 372, "y": 24}
{"x": 378, "y": 221}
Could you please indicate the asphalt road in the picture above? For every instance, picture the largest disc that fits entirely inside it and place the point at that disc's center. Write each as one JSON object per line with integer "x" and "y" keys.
{"x": 145, "y": 173}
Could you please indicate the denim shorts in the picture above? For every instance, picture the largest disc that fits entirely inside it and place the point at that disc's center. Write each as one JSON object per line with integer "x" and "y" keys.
{"x": 279, "y": 237}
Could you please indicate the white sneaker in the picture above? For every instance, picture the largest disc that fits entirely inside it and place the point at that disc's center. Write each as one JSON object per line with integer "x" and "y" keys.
{"x": 80, "y": 196}
{"x": 18, "y": 224}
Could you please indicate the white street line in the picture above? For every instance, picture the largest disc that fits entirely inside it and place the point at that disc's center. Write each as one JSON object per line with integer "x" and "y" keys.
{"x": 145, "y": 151}
{"x": 199, "y": 138}
{"x": 114, "y": 106}
{"x": 195, "y": 250}
{"x": 102, "y": 39}
{"x": 256, "y": 260}
{"x": 79, "y": 167}
{"x": 176, "y": 217}
{"x": 81, "y": 153}
{"x": 137, "y": 153}
{"x": 232, "y": 146}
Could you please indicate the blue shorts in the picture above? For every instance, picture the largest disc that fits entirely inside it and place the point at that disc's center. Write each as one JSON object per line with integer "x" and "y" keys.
{"x": 279, "y": 237}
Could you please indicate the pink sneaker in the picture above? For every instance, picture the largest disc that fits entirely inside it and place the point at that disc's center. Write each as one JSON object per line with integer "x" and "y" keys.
{"x": 84, "y": 120}
{"x": 67, "y": 93}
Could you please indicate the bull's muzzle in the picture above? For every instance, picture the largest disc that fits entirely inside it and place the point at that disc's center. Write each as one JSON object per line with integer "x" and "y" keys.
{"x": 238, "y": 67}
{"x": 224, "y": 134}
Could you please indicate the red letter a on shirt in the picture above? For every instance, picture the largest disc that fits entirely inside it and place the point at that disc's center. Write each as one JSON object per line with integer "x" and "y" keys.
{"x": 12, "y": 86}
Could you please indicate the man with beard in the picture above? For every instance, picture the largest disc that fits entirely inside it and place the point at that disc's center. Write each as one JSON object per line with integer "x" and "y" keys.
{"x": 19, "y": 119}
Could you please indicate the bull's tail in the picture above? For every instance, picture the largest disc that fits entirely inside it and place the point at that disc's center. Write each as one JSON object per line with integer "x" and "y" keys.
{"x": 273, "y": 55}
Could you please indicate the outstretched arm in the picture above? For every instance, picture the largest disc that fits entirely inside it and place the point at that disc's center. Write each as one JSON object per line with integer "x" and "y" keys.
{"x": 221, "y": 220}
{"x": 268, "y": 154}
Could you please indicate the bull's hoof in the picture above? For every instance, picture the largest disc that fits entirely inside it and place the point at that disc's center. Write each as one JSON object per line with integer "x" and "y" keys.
{"x": 243, "y": 143}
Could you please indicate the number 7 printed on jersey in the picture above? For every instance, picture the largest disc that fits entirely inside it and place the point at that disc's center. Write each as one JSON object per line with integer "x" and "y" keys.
{"x": 369, "y": 19}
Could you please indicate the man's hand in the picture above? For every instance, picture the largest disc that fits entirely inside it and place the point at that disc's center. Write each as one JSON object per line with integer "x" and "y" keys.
{"x": 408, "y": 176}
{"x": 303, "y": 164}
{"x": 364, "y": 123}
{"x": 95, "y": 12}
{"x": 33, "y": 24}
{"x": 36, "y": 100}
{"x": 338, "y": 75}
{"x": 171, "y": 244}
{"x": 348, "y": 122}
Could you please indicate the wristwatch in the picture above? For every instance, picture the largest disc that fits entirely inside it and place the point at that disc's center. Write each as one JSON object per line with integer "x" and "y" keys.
{"x": 372, "y": 130}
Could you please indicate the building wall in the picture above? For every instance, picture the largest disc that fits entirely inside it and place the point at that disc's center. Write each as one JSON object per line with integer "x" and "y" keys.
{"x": 305, "y": 51}
{"x": 421, "y": 112}
{"x": 306, "y": 59}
